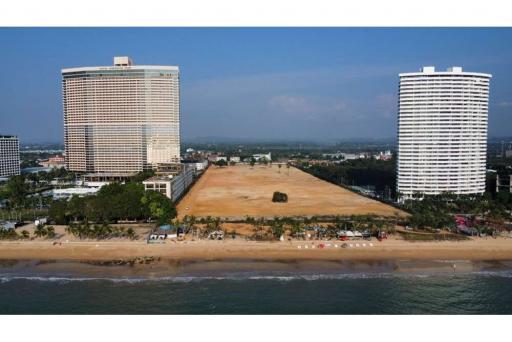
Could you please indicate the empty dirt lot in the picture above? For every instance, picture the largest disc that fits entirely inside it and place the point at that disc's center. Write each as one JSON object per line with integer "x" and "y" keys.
{"x": 238, "y": 191}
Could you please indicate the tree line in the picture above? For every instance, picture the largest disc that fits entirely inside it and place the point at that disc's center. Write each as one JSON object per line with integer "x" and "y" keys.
{"x": 360, "y": 172}
{"x": 115, "y": 202}
{"x": 437, "y": 211}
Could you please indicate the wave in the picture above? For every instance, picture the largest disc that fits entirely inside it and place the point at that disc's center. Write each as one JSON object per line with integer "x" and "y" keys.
{"x": 189, "y": 279}
{"x": 244, "y": 277}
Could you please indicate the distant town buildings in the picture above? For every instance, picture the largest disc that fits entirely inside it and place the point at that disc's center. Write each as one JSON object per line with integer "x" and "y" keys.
{"x": 123, "y": 118}
{"x": 261, "y": 156}
{"x": 384, "y": 155}
{"x": 55, "y": 162}
{"x": 9, "y": 156}
{"x": 442, "y": 132}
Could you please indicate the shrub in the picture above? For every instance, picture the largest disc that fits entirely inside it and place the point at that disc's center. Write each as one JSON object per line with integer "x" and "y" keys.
{"x": 280, "y": 197}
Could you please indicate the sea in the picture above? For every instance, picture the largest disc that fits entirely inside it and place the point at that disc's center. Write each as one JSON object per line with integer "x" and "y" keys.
{"x": 257, "y": 287}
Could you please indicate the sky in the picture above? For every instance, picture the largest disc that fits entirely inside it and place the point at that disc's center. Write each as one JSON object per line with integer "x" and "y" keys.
{"x": 309, "y": 84}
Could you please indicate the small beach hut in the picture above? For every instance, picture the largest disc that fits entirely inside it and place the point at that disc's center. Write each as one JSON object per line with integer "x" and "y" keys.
{"x": 163, "y": 232}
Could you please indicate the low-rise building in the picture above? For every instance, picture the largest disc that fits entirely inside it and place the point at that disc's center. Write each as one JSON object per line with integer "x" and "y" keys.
{"x": 234, "y": 159}
{"x": 106, "y": 177}
{"x": 198, "y": 166}
{"x": 56, "y": 162}
{"x": 70, "y": 192}
{"x": 384, "y": 155}
{"x": 261, "y": 156}
{"x": 172, "y": 185}
{"x": 7, "y": 225}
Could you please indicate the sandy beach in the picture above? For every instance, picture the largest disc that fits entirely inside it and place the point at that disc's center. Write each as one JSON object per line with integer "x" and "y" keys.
{"x": 391, "y": 249}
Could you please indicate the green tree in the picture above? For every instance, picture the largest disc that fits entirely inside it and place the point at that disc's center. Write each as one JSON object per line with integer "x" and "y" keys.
{"x": 277, "y": 228}
{"x": 16, "y": 190}
{"x": 76, "y": 207}
{"x": 221, "y": 163}
{"x": 50, "y": 232}
{"x": 159, "y": 206}
{"x": 131, "y": 233}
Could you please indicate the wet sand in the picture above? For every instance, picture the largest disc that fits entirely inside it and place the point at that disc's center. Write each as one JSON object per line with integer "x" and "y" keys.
{"x": 240, "y": 269}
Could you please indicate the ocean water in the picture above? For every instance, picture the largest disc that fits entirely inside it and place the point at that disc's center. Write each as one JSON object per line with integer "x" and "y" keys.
{"x": 285, "y": 288}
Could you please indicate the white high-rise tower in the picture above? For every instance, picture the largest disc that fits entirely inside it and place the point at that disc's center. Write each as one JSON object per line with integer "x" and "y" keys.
{"x": 442, "y": 132}
{"x": 9, "y": 155}
{"x": 121, "y": 119}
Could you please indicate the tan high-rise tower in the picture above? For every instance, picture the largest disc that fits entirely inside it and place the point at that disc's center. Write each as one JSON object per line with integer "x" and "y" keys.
{"x": 121, "y": 119}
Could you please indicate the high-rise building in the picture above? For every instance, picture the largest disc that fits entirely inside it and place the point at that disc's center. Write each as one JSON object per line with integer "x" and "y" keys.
{"x": 121, "y": 119}
{"x": 9, "y": 156}
{"x": 442, "y": 132}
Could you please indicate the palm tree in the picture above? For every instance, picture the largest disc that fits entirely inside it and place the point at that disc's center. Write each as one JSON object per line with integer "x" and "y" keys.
{"x": 50, "y": 232}
{"x": 277, "y": 228}
{"x": 297, "y": 228}
{"x": 279, "y": 166}
{"x": 40, "y": 231}
{"x": 25, "y": 234}
{"x": 191, "y": 220}
{"x": 131, "y": 233}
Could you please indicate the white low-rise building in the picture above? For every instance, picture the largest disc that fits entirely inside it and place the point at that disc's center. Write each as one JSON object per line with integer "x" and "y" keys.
{"x": 260, "y": 156}
{"x": 200, "y": 166}
{"x": 70, "y": 192}
{"x": 172, "y": 186}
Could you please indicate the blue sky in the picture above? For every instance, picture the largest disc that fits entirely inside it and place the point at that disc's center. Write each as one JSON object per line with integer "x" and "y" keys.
{"x": 322, "y": 84}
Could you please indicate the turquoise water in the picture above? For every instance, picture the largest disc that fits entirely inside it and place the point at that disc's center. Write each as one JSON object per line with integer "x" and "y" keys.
{"x": 377, "y": 290}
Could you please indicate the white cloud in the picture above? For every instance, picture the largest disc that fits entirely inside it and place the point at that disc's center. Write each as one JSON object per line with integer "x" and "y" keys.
{"x": 309, "y": 108}
{"x": 505, "y": 104}
{"x": 326, "y": 102}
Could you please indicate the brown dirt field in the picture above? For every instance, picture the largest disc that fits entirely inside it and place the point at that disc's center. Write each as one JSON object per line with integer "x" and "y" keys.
{"x": 240, "y": 191}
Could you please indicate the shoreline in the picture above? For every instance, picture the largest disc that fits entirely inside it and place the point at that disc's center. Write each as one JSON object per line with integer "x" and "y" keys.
{"x": 186, "y": 271}
{"x": 392, "y": 249}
